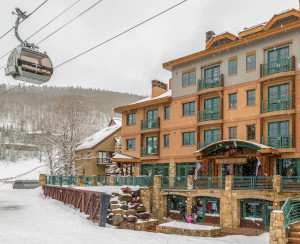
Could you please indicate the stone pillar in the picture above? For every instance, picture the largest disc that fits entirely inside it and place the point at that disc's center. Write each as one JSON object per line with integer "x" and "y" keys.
{"x": 146, "y": 198}
{"x": 277, "y": 190}
{"x": 189, "y": 202}
{"x": 157, "y": 201}
{"x": 94, "y": 180}
{"x": 190, "y": 182}
{"x": 278, "y": 233}
{"x": 137, "y": 169}
{"x": 172, "y": 172}
{"x": 42, "y": 180}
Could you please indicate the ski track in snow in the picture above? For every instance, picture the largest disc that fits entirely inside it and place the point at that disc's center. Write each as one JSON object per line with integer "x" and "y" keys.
{"x": 27, "y": 217}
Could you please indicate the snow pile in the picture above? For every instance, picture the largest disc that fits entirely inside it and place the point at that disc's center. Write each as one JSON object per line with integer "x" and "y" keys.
{"x": 188, "y": 226}
{"x": 147, "y": 99}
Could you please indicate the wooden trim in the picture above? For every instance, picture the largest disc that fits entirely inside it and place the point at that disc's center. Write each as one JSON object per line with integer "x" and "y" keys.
{"x": 232, "y": 44}
{"x": 188, "y": 85}
{"x": 126, "y": 160}
{"x": 232, "y": 75}
{"x": 250, "y": 53}
{"x": 188, "y": 70}
{"x": 210, "y": 64}
{"x": 281, "y": 16}
{"x": 278, "y": 44}
{"x": 232, "y": 58}
{"x": 220, "y": 37}
{"x": 248, "y": 71}
{"x": 251, "y": 31}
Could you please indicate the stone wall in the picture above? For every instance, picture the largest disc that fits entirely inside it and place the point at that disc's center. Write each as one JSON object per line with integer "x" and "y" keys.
{"x": 278, "y": 234}
{"x": 187, "y": 232}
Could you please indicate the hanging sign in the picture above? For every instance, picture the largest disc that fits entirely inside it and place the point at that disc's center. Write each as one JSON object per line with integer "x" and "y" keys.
{"x": 231, "y": 161}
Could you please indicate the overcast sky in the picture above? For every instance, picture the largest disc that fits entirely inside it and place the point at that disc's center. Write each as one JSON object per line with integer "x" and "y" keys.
{"x": 129, "y": 63}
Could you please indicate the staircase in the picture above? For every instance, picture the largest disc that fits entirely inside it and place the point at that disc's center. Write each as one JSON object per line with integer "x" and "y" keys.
{"x": 294, "y": 234}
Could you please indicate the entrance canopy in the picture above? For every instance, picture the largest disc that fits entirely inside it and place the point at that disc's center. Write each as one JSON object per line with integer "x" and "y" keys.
{"x": 215, "y": 147}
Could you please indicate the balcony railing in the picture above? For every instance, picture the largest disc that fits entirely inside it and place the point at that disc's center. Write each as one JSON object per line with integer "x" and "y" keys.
{"x": 103, "y": 161}
{"x": 174, "y": 182}
{"x": 290, "y": 183}
{"x": 149, "y": 124}
{"x": 252, "y": 183}
{"x": 202, "y": 144}
{"x": 148, "y": 151}
{"x": 209, "y": 183}
{"x": 276, "y": 67}
{"x": 276, "y": 104}
{"x": 209, "y": 114}
{"x": 280, "y": 141}
{"x": 209, "y": 82}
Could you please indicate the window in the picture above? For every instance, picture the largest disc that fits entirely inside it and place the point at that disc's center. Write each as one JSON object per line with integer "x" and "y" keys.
{"x": 131, "y": 144}
{"x": 250, "y": 97}
{"x": 251, "y": 62}
{"x": 131, "y": 119}
{"x": 250, "y": 132}
{"x": 232, "y": 132}
{"x": 166, "y": 140}
{"x": 288, "y": 167}
{"x": 233, "y": 100}
{"x": 103, "y": 157}
{"x": 232, "y": 67}
{"x": 167, "y": 112}
{"x": 189, "y": 138}
{"x": 89, "y": 156}
{"x": 188, "y": 108}
{"x": 189, "y": 78}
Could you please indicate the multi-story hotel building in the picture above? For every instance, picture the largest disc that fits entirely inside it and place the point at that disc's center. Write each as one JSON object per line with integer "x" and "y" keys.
{"x": 227, "y": 106}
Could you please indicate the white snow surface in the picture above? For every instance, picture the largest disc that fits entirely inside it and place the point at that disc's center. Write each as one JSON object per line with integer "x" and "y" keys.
{"x": 107, "y": 189}
{"x": 96, "y": 138}
{"x": 29, "y": 218}
{"x": 182, "y": 225}
{"x": 122, "y": 156}
{"x": 166, "y": 94}
{"x": 28, "y": 169}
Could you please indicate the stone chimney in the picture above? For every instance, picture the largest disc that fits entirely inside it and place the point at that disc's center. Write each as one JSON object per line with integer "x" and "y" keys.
{"x": 158, "y": 88}
{"x": 210, "y": 34}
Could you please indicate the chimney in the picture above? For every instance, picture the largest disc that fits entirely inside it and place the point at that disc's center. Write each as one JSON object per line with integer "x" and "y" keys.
{"x": 158, "y": 88}
{"x": 210, "y": 34}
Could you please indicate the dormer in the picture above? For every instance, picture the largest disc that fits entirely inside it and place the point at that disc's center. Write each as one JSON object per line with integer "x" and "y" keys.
{"x": 283, "y": 18}
{"x": 221, "y": 39}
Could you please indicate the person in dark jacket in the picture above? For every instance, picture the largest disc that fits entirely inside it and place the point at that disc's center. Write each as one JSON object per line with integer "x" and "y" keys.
{"x": 183, "y": 213}
{"x": 194, "y": 212}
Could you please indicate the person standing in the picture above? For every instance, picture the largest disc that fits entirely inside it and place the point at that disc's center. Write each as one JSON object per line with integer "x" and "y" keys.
{"x": 183, "y": 213}
{"x": 194, "y": 212}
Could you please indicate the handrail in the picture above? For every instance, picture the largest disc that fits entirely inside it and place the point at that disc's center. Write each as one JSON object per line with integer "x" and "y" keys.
{"x": 279, "y": 141}
{"x": 149, "y": 124}
{"x": 291, "y": 210}
{"x": 276, "y": 104}
{"x": 209, "y": 114}
{"x": 282, "y": 65}
{"x": 145, "y": 151}
{"x": 209, "y": 82}
{"x": 252, "y": 183}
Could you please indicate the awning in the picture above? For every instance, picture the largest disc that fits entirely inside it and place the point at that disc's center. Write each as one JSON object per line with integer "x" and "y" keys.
{"x": 122, "y": 158}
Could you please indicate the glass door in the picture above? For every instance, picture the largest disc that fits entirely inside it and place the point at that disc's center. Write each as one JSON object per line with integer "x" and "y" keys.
{"x": 211, "y": 136}
{"x": 278, "y": 134}
{"x": 278, "y": 97}
{"x": 212, "y": 77}
{"x": 212, "y": 109}
{"x": 278, "y": 60}
{"x": 152, "y": 118}
{"x": 151, "y": 146}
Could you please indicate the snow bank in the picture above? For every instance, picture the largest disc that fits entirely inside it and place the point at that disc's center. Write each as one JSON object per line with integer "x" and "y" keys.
{"x": 182, "y": 225}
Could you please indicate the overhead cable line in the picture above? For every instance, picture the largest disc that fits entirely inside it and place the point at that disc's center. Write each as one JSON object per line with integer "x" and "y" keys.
{"x": 85, "y": 11}
{"x": 24, "y": 19}
{"x": 68, "y": 8}
{"x": 120, "y": 34}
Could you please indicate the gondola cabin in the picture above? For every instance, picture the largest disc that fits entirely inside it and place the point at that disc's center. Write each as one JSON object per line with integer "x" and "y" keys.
{"x": 29, "y": 65}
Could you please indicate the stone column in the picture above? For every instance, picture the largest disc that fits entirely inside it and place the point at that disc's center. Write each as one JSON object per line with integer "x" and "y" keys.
{"x": 189, "y": 202}
{"x": 157, "y": 197}
{"x": 94, "y": 180}
{"x": 172, "y": 172}
{"x": 42, "y": 180}
{"x": 277, "y": 190}
{"x": 190, "y": 182}
{"x": 278, "y": 233}
{"x": 137, "y": 169}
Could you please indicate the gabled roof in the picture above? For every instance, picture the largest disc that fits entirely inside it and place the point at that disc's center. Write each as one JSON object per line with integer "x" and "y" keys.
{"x": 221, "y": 39}
{"x": 100, "y": 136}
{"x": 282, "y": 17}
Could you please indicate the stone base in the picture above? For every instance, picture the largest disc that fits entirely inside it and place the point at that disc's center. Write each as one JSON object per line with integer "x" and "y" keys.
{"x": 143, "y": 226}
{"x": 187, "y": 232}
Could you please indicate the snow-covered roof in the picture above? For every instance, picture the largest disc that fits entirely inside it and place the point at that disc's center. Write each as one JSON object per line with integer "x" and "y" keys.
{"x": 117, "y": 121}
{"x": 101, "y": 135}
{"x": 122, "y": 156}
{"x": 166, "y": 94}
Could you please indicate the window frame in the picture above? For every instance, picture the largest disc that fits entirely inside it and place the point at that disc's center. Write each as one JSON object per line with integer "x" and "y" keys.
{"x": 248, "y": 92}
{"x": 190, "y": 142}
{"x": 167, "y": 108}
{"x": 188, "y": 78}
{"x": 189, "y": 110}
{"x": 230, "y": 132}
{"x": 249, "y": 69}
{"x": 129, "y": 119}
{"x": 230, "y": 103}
{"x": 251, "y": 132}
{"x": 127, "y": 144}
{"x": 167, "y": 145}
{"x": 232, "y": 70}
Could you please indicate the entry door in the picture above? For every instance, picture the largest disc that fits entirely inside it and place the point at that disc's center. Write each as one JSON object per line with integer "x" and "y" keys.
{"x": 278, "y": 97}
{"x": 151, "y": 145}
{"x": 211, "y": 108}
{"x": 212, "y": 76}
{"x": 279, "y": 134}
{"x": 152, "y": 114}
{"x": 278, "y": 60}
{"x": 268, "y": 209}
{"x": 211, "y": 136}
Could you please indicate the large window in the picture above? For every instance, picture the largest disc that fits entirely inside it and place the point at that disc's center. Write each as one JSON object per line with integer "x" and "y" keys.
{"x": 131, "y": 144}
{"x": 233, "y": 132}
{"x": 103, "y": 157}
{"x": 131, "y": 119}
{"x": 250, "y": 132}
{"x": 167, "y": 112}
{"x": 279, "y": 134}
{"x": 233, "y": 100}
{"x": 188, "y": 138}
{"x": 189, "y": 78}
{"x": 207, "y": 206}
{"x": 211, "y": 136}
{"x": 188, "y": 108}
{"x": 232, "y": 67}
{"x": 166, "y": 140}
{"x": 288, "y": 167}
{"x": 251, "y": 62}
{"x": 250, "y": 97}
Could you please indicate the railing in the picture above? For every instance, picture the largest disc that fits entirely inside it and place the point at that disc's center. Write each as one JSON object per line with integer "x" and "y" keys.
{"x": 209, "y": 114}
{"x": 202, "y": 144}
{"x": 290, "y": 183}
{"x": 291, "y": 210}
{"x": 103, "y": 161}
{"x": 217, "y": 182}
{"x": 251, "y": 183}
{"x": 148, "y": 151}
{"x": 276, "y": 104}
{"x": 280, "y": 141}
{"x": 142, "y": 181}
{"x": 174, "y": 182}
{"x": 209, "y": 82}
{"x": 149, "y": 124}
{"x": 277, "y": 67}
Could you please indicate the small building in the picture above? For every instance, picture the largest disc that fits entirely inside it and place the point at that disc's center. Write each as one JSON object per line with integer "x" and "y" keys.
{"x": 94, "y": 154}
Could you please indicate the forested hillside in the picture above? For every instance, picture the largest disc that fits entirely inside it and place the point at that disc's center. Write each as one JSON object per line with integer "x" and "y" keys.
{"x": 25, "y": 110}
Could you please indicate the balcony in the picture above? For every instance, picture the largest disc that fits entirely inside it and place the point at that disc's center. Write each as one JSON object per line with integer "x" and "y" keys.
{"x": 280, "y": 141}
{"x": 280, "y": 66}
{"x": 148, "y": 151}
{"x": 209, "y": 114}
{"x": 210, "y": 82}
{"x": 202, "y": 144}
{"x": 103, "y": 161}
{"x": 149, "y": 124}
{"x": 276, "y": 104}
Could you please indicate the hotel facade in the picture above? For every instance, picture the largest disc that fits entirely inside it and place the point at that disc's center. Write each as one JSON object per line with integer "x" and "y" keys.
{"x": 229, "y": 106}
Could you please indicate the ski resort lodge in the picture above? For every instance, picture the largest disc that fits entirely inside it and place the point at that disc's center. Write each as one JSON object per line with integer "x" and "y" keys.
{"x": 231, "y": 107}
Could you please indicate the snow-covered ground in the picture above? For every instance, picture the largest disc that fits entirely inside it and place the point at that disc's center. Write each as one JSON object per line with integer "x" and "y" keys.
{"x": 27, "y": 217}
{"x": 22, "y": 170}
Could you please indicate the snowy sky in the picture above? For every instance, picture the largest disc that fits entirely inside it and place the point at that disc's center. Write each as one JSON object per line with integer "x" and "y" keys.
{"x": 128, "y": 63}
